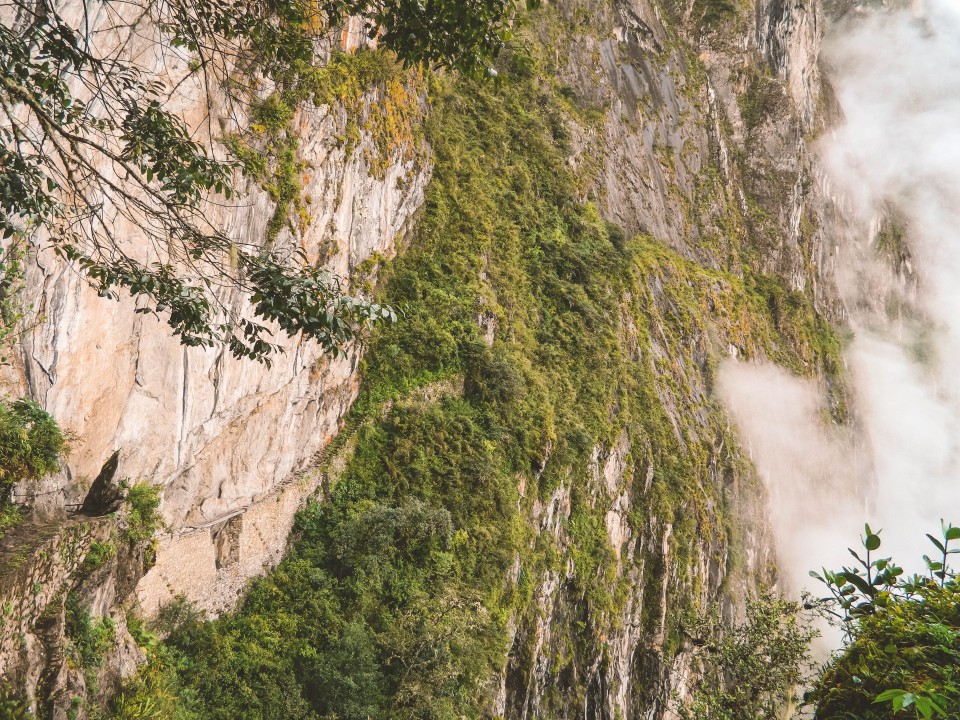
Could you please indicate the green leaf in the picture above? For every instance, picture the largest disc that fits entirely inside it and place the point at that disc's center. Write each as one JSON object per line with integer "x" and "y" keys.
{"x": 887, "y": 695}
{"x": 924, "y": 706}
{"x": 859, "y": 582}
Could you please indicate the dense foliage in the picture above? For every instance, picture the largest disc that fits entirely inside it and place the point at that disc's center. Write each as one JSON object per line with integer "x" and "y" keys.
{"x": 751, "y": 670}
{"x": 88, "y": 638}
{"x": 31, "y": 443}
{"x": 902, "y": 658}
{"x": 90, "y": 151}
{"x": 143, "y": 517}
{"x": 12, "y": 705}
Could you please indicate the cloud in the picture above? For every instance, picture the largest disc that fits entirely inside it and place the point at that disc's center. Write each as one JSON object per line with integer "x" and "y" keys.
{"x": 815, "y": 487}
{"x": 896, "y": 152}
{"x": 897, "y": 79}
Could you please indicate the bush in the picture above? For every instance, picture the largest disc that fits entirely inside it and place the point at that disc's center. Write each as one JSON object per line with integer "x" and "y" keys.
{"x": 750, "y": 670}
{"x": 143, "y": 518}
{"x": 902, "y": 656}
{"x": 98, "y": 554}
{"x": 9, "y": 517}
{"x": 90, "y": 639}
{"x": 31, "y": 443}
{"x": 12, "y": 706}
{"x": 178, "y": 617}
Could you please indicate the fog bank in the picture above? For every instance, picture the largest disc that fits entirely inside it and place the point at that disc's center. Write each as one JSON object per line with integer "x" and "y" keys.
{"x": 894, "y": 164}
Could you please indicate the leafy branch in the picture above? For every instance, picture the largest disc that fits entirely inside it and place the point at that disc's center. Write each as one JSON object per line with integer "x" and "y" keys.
{"x": 902, "y": 637}
{"x": 94, "y": 163}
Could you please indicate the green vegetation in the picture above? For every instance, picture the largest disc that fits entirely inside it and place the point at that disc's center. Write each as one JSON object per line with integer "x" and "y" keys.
{"x": 714, "y": 12}
{"x": 12, "y": 705}
{"x": 98, "y": 554}
{"x": 751, "y": 670}
{"x": 901, "y": 658}
{"x": 760, "y": 100}
{"x": 143, "y": 519}
{"x": 31, "y": 443}
{"x": 534, "y": 338}
{"x": 90, "y": 638}
{"x": 268, "y": 149}
{"x": 11, "y": 282}
{"x": 801, "y": 339}
{"x": 538, "y": 343}
{"x": 9, "y": 517}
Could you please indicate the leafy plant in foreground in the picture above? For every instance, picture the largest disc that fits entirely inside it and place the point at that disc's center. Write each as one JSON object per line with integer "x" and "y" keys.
{"x": 902, "y": 655}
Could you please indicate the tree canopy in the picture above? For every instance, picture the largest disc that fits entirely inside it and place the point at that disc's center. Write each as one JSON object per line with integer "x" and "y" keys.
{"x": 89, "y": 143}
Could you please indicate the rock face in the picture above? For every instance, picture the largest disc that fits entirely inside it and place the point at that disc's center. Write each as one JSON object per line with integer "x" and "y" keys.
{"x": 227, "y": 440}
{"x": 217, "y": 433}
{"x": 693, "y": 131}
{"x": 701, "y": 121}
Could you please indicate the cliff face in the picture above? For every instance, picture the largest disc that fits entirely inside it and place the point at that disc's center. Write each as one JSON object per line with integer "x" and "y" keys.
{"x": 622, "y": 499}
{"x": 699, "y": 121}
{"x": 229, "y": 442}
{"x": 216, "y": 433}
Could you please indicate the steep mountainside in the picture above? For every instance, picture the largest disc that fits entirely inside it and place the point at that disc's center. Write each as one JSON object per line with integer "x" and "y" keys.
{"x": 536, "y": 485}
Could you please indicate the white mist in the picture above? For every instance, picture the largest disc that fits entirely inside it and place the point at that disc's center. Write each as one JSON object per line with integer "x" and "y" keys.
{"x": 897, "y": 78}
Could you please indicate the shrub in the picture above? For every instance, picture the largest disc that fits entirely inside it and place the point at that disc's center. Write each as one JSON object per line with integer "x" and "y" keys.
{"x": 98, "y": 554}
{"x": 178, "y": 617}
{"x": 902, "y": 656}
{"x": 143, "y": 518}
{"x": 90, "y": 639}
{"x": 12, "y": 706}
{"x": 31, "y": 443}
{"x": 9, "y": 517}
{"x": 751, "y": 669}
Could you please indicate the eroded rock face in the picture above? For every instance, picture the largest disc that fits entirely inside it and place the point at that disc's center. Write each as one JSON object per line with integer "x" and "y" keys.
{"x": 682, "y": 126}
{"x": 217, "y": 433}
{"x": 699, "y": 116}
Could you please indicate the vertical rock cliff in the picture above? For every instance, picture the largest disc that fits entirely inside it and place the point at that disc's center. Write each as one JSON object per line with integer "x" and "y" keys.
{"x": 228, "y": 442}
{"x": 537, "y": 485}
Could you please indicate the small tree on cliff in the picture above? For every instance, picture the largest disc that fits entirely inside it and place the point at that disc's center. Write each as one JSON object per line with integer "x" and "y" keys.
{"x": 88, "y": 144}
{"x": 753, "y": 669}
